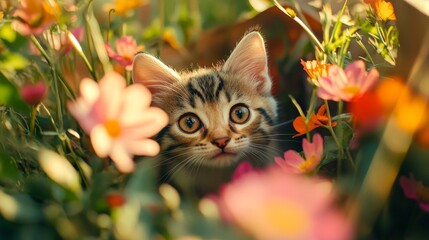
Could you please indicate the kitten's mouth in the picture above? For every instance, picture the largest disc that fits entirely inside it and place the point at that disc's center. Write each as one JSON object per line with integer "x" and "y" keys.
{"x": 222, "y": 156}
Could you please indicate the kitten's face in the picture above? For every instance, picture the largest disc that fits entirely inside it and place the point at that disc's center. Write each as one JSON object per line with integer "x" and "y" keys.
{"x": 216, "y": 116}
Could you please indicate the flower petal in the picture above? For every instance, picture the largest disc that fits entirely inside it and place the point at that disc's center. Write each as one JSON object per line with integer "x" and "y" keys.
{"x": 370, "y": 80}
{"x": 143, "y": 147}
{"x": 355, "y": 73}
{"x": 408, "y": 186}
{"x": 144, "y": 124}
{"x": 122, "y": 158}
{"x": 293, "y": 159}
{"x": 101, "y": 141}
{"x": 327, "y": 89}
{"x": 112, "y": 86}
{"x": 136, "y": 99}
{"x": 89, "y": 90}
{"x": 280, "y": 161}
{"x": 424, "y": 206}
{"x": 318, "y": 145}
{"x": 243, "y": 168}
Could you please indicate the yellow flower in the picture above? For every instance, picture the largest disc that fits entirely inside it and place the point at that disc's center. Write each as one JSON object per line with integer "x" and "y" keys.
{"x": 123, "y": 6}
{"x": 170, "y": 37}
{"x": 315, "y": 70}
{"x": 410, "y": 111}
{"x": 384, "y": 10}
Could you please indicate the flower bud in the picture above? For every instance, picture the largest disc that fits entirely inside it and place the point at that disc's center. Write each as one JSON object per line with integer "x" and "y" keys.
{"x": 34, "y": 94}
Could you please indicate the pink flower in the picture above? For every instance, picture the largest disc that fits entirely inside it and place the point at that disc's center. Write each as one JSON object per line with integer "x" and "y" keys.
{"x": 118, "y": 119}
{"x": 34, "y": 94}
{"x": 242, "y": 169}
{"x": 347, "y": 85}
{"x": 59, "y": 40}
{"x": 415, "y": 190}
{"x": 294, "y": 163}
{"x": 275, "y": 205}
{"x": 34, "y": 16}
{"x": 126, "y": 48}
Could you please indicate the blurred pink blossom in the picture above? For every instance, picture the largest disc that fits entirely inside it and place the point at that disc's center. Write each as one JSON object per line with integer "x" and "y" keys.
{"x": 118, "y": 119}
{"x": 126, "y": 48}
{"x": 415, "y": 190}
{"x": 34, "y": 16}
{"x": 293, "y": 162}
{"x": 348, "y": 84}
{"x": 242, "y": 169}
{"x": 276, "y": 205}
{"x": 59, "y": 40}
{"x": 33, "y": 94}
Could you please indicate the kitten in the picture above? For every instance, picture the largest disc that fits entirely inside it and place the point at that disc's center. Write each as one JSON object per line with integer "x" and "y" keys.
{"x": 218, "y": 117}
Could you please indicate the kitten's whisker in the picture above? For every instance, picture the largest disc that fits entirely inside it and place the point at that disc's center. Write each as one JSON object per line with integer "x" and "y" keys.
{"x": 170, "y": 173}
{"x": 266, "y": 147}
{"x": 283, "y": 123}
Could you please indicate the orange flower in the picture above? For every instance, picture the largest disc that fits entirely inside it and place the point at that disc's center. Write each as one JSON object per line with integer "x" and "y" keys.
{"x": 410, "y": 111}
{"x": 383, "y": 9}
{"x": 34, "y": 16}
{"x": 408, "y": 108}
{"x": 124, "y": 6}
{"x": 320, "y": 119}
{"x": 315, "y": 70}
{"x": 367, "y": 112}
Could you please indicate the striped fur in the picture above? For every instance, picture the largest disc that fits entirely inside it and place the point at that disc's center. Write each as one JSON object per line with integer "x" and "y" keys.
{"x": 210, "y": 94}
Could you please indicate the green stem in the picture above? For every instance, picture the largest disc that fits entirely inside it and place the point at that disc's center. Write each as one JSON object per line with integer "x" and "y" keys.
{"x": 98, "y": 39}
{"x": 50, "y": 116}
{"x": 290, "y": 13}
{"x": 58, "y": 99}
{"x": 359, "y": 42}
{"x": 343, "y": 52}
{"x": 89, "y": 42}
{"x": 297, "y": 6}
{"x": 40, "y": 48}
{"x": 33, "y": 120}
{"x": 338, "y": 23}
{"x": 79, "y": 50}
{"x": 109, "y": 21}
{"x": 350, "y": 158}
{"x": 54, "y": 82}
{"x": 340, "y": 137}
{"x": 310, "y": 111}
{"x": 161, "y": 25}
{"x": 337, "y": 141}
{"x": 74, "y": 157}
{"x": 128, "y": 77}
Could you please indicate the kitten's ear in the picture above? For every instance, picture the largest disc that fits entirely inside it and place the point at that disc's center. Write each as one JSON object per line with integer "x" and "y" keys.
{"x": 249, "y": 59}
{"x": 152, "y": 73}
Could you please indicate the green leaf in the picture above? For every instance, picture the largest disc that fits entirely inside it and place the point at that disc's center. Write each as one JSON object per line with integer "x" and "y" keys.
{"x": 7, "y": 33}
{"x": 13, "y": 61}
{"x": 11, "y": 39}
{"x": 10, "y": 96}
{"x": 8, "y": 170}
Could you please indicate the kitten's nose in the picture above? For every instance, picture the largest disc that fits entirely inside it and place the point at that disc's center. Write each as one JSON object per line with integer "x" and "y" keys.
{"x": 221, "y": 142}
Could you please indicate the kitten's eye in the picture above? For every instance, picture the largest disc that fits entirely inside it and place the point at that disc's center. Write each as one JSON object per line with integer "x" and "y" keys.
{"x": 189, "y": 123}
{"x": 239, "y": 114}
